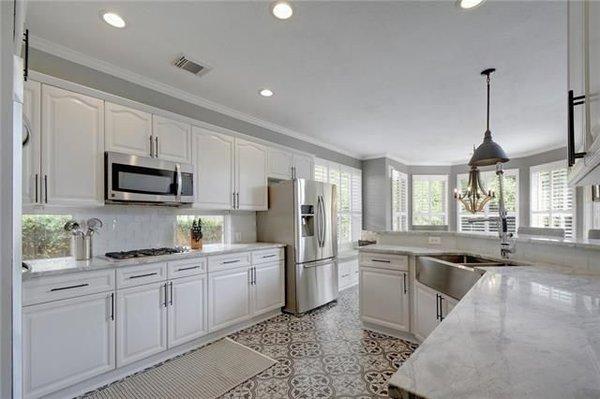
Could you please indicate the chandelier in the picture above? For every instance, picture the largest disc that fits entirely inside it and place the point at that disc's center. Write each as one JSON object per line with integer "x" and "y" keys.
{"x": 476, "y": 197}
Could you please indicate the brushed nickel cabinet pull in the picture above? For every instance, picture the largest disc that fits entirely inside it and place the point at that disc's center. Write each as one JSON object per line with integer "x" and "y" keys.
{"x": 381, "y": 260}
{"x": 142, "y": 275}
{"x": 112, "y": 306}
{"x": 181, "y": 269}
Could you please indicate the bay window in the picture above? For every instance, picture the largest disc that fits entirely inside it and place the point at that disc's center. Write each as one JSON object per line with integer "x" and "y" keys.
{"x": 430, "y": 200}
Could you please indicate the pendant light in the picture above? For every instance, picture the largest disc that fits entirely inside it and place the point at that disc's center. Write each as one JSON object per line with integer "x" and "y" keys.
{"x": 476, "y": 197}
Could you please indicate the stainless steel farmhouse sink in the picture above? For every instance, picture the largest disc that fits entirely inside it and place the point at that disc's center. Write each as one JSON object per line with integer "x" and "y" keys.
{"x": 453, "y": 275}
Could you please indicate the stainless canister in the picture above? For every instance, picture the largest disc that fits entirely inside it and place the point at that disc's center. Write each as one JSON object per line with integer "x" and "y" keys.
{"x": 81, "y": 247}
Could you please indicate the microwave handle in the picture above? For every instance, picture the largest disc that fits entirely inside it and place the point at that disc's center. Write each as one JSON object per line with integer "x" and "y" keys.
{"x": 179, "y": 179}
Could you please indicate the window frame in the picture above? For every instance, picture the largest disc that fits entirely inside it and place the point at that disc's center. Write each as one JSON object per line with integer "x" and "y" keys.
{"x": 487, "y": 213}
{"x": 403, "y": 212}
{"x": 534, "y": 172}
{"x": 429, "y": 213}
{"x": 227, "y": 231}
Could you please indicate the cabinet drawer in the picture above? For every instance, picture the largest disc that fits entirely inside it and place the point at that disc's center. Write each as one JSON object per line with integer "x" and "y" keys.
{"x": 229, "y": 261}
{"x": 384, "y": 261}
{"x": 45, "y": 289}
{"x": 132, "y": 276}
{"x": 267, "y": 255}
{"x": 184, "y": 268}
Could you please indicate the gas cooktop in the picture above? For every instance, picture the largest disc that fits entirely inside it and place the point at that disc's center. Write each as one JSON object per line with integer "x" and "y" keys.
{"x": 142, "y": 253}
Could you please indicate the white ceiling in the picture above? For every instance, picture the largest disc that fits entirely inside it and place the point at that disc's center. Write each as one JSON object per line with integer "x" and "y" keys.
{"x": 370, "y": 78}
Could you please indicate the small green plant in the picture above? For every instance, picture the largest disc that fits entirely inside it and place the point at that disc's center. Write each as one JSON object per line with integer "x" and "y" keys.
{"x": 196, "y": 230}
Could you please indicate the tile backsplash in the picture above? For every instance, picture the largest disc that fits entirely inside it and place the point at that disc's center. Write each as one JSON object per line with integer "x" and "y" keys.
{"x": 133, "y": 227}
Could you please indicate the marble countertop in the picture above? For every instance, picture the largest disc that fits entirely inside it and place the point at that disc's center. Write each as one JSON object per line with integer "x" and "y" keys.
{"x": 520, "y": 332}
{"x": 51, "y": 267}
{"x": 405, "y": 250}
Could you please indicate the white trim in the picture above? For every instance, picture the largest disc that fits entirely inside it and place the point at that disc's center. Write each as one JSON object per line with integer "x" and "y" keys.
{"x": 102, "y": 66}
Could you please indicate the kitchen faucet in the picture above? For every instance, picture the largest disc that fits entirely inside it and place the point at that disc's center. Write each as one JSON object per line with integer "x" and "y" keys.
{"x": 507, "y": 241}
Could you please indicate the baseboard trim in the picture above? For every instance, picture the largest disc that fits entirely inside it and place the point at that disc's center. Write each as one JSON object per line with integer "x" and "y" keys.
{"x": 122, "y": 372}
{"x": 391, "y": 332}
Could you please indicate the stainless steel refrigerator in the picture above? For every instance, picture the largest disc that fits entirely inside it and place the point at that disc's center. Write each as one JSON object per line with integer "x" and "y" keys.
{"x": 302, "y": 214}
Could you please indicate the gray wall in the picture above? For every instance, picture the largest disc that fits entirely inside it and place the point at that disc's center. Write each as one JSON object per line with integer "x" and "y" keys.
{"x": 67, "y": 70}
{"x": 377, "y": 184}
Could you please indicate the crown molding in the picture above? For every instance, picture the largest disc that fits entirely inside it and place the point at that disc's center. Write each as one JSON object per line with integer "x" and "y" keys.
{"x": 111, "y": 69}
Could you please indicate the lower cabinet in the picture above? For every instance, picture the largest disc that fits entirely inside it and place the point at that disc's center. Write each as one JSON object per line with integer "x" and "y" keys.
{"x": 384, "y": 298}
{"x": 187, "y": 309}
{"x": 348, "y": 273}
{"x": 141, "y": 322}
{"x": 67, "y": 341}
{"x": 430, "y": 308}
{"x": 269, "y": 286}
{"x": 229, "y": 297}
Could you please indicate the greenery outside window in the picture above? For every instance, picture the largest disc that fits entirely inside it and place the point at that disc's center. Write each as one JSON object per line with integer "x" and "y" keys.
{"x": 430, "y": 200}
{"x": 43, "y": 236}
{"x": 213, "y": 229}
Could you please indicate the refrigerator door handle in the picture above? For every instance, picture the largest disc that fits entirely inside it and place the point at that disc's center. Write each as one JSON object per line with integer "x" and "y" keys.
{"x": 324, "y": 222}
{"x": 319, "y": 222}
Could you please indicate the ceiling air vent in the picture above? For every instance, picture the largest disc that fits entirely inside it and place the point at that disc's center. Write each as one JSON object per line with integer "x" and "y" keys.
{"x": 186, "y": 64}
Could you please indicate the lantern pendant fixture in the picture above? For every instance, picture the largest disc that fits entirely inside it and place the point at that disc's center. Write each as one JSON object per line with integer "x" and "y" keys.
{"x": 476, "y": 197}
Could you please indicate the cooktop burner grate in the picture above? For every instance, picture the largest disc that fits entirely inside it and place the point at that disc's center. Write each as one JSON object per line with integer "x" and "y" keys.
{"x": 141, "y": 253}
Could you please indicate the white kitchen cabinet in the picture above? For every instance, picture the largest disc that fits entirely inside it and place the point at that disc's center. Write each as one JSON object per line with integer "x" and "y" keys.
{"x": 268, "y": 287}
{"x": 250, "y": 175}
{"x": 384, "y": 297}
{"x": 30, "y": 179}
{"x": 304, "y": 166}
{"x": 430, "y": 308}
{"x": 72, "y": 148}
{"x": 187, "y": 317}
{"x": 214, "y": 169}
{"x": 67, "y": 341}
{"x": 141, "y": 322}
{"x": 229, "y": 297}
{"x": 172, "y": 139}
{"x": 348, "y": 273}
{"x": 281, "y": 163}
{"x": 128, "y": 130}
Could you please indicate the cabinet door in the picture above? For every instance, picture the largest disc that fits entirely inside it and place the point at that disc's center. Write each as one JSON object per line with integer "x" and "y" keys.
{"x": 251, "y": 175}
{"x": 425, "y": 311}
{"x": 174, "y": 139}
{"x": 280, "y": 163}
{"x": 303, "y": 166}
{"x": 32, "y": 92}
{"x": 187, "y": 309}
{"x": 269, "y": 287}
{"x": 214, "y": 169}
{"x": 128, "y": 130}
{"x": 72, "y": 147}
{"x": 593, "y": 68}
{"x": 141, "y": 322}
{"x": 228, "y": 298}
{"x": 383, "y": 299}
{"x": 67, "y": 341}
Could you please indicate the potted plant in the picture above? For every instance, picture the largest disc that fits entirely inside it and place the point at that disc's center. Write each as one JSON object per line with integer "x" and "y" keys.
{"x": 196, "y": 234}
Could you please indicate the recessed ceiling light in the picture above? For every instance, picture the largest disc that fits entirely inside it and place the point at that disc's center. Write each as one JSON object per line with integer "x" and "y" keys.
{"x": 266, "y": 93}
{"x": 113, "y": 19}
{"x": 469, "y": 4}
{"x": 282, "y": 9}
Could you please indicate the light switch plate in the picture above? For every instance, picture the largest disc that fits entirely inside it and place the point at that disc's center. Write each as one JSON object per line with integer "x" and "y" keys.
{"x": 435, "y": 240}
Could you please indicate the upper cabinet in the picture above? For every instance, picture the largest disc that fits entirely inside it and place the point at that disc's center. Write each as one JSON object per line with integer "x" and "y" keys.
{"x": 171, "y": 139}
{"x": 251, "y": 175}
{"x": 128, "y": 131}
{"x": 284, "y": 164}
{"x": 583, "y": 135}
{"x": 213, "y": 169}
{"x": 72, "y": 150}
{"x": 30, "y": 179}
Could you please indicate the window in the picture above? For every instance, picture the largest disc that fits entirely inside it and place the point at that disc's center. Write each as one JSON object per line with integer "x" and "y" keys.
{"x": 552, "y": 198}
{"x": 399, "y": 201}
{"x": 430, "y": 194}
{"x": 213, "y": 229}
{"x": 349, "y": 190}
{"x": 43, "y": 236}
{"x": 511, "y": 202}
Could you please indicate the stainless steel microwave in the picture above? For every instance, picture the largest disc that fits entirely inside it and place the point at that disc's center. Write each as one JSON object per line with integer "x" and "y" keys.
{"x": 131, "y": 178}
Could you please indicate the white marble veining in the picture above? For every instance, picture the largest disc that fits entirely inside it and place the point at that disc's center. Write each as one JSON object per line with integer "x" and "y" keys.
{"x": 404, "y": 250}
{"x": 520, "y": 332}
{"x": 50, "y": 267}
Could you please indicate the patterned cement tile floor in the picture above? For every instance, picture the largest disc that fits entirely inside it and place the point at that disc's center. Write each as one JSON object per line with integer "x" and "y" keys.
{"x": 323, "y": 354}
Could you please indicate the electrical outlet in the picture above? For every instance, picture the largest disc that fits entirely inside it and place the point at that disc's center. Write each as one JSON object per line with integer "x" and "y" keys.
{"x": 435, "y": 240}
{"x": 238, "y": 236}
